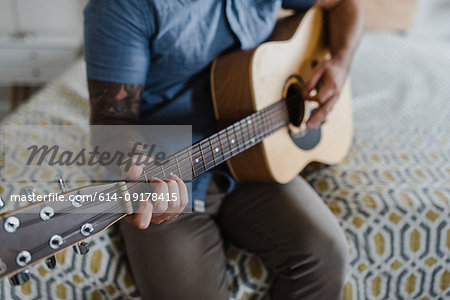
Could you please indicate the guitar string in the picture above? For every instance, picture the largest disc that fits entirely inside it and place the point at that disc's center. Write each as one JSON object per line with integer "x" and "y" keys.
{"x": 266, "y": 130}
{"x": 219, "y": 142}
{"x": 281, "y": 107}
{"x": 271, "y": 128}
{"x": 274, "y": 112}
{"x": 136, "y": 185}
{"x": 71, "y": 232}
{"x": 209, "y": 165}
{"x": 225, "y": 131}
{"x": 266, "y": 125}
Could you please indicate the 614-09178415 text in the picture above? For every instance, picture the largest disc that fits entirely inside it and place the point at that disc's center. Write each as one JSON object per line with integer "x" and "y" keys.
{"x": 106, "y": 197}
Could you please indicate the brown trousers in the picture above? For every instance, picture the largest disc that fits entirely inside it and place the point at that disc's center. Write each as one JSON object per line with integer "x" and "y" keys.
{"x": 287, "y": 226}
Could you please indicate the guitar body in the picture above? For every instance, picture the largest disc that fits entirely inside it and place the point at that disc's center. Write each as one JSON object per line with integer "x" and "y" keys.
{"x": 257, "y": 101}
{"x": 247, "y": 81}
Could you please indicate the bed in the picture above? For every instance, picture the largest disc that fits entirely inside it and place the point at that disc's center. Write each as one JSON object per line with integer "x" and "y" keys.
{"x": 391, "y": 194}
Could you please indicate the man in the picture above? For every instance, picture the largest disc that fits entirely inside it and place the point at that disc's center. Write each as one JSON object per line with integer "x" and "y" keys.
{"x": 148, "y": 63}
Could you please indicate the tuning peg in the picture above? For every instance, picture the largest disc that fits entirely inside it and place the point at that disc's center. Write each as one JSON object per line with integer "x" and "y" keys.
{"x": 20, "y": 278}
{"x": 51, "y": 262}
{"x": 81, "y": 248}
{"x": 29, "y": 192}
{"x": 62, "y": 185}
{"x": 2, "y": 203}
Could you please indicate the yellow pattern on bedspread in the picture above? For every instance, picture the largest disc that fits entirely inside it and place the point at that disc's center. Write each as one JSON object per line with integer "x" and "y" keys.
{"x": 391, "y": 196}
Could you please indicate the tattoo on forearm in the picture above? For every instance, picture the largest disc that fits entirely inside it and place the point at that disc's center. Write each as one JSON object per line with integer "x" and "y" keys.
{"x": 114, "y": 103}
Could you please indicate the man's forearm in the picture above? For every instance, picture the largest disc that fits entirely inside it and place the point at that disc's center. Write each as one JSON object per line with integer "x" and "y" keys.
{"x": 345, "y": 25}
{"x": 114, "y": 103}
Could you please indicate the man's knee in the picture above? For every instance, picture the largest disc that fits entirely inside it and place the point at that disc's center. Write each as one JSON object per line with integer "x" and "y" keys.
{"x": 175, "y": 260}
{"x": 336, "y": 259}
{"x": 318, "y": 268}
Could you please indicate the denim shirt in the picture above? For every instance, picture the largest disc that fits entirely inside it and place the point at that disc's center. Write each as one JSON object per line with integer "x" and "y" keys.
{"x": 168, "y": 46}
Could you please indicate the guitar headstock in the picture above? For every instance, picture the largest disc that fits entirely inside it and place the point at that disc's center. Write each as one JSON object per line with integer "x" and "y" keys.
{"x": 38, "y": 231}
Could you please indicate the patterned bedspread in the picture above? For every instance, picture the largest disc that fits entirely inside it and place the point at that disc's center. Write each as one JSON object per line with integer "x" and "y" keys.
{"x": 391, "y": 194}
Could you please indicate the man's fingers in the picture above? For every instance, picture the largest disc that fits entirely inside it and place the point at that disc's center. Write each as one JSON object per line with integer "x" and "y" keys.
{"x": 327, "y": 90}
{"x": 314, "y": 80}
{"x": 169, "y": 197}
{"x": 320, "y": 115}
{"x": 181, "y": 197}
{"x": 133, "y": 167}
{"x": 173, "y": 206}
{"x": 183, "y": 191}
{"x": 159, "y": 190}
{"x": 142, "y": 218}
{"x": 133, "y": 172}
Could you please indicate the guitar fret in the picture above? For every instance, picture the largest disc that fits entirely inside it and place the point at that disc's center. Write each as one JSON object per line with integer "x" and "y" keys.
{"x": 192, "y": 163}
{"x": 217, "y": 153}
{"x": 238, "y": 146}
{"x": 195, "y": 153}
{"x": 254, "y": 130}
{"x": 198, "y": 163}
{"x": 163, "y": 172}
{"x": 247, "y": 131}
{"x": 170, "y": 169}
{"x": 218, "y": 150}
{"x": 199, "y": 170}
{"x": 239, "y": 137}
{"x": 230, "y": 145}
{"x": 267, "y": 119}
{"x": 222, "y": 142}
{"x": 212, "y": 152}
{"x": 271, "y": 124}
{"x": 203, "y": 157}
{"x": 265, "y": 125}
{"x": 178, "y": 167}
{"x": 207, "y": 151}
{"x": 184, "y": 160}
{"x": 145, "y": 176}
{"x": 257, "y": 127}
{"x": 248, "y": 127}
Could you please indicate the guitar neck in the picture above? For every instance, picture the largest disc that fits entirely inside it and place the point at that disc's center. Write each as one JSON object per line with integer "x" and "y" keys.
{"x": 208, "y": 153}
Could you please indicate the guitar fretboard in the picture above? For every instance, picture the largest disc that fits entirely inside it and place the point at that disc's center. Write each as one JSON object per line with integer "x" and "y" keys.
{"x": 208, "y": 153}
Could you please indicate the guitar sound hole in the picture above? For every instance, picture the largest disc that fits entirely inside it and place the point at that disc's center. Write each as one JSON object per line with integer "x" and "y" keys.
{"x": 295, "y": 104}
{"x": 305, "y": 139}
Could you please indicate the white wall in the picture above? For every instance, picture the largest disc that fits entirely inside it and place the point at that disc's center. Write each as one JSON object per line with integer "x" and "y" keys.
{"x": 46, "y": 17}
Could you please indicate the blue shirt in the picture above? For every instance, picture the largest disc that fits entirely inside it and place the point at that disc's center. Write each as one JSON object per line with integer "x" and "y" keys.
{"x": 168, "y": 46}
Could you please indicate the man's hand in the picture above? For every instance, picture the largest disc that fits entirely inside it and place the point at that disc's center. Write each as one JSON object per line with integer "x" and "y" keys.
{"x": 161, "y": 209}
{"x": 118, "y": 104}
{"x": 327, "y": 79}
{"x": 345, "y": 25}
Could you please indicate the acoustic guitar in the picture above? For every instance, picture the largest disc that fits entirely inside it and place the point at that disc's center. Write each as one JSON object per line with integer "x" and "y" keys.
{"x": 258, "y": 103}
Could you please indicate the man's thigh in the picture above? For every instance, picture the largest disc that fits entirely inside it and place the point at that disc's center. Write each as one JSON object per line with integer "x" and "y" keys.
{"x": 180, "y": 259}
{"x": 294, "y": 233}
{"x": 276, "y": 210}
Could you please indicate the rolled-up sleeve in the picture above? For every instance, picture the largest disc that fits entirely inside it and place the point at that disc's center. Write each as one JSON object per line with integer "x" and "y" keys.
{"x": 116, "y": 41}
